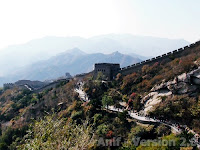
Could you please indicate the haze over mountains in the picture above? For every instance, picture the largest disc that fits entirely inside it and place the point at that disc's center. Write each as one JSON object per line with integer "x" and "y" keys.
{"x": 73, "y": 61}
{"x": 51, "y": 57}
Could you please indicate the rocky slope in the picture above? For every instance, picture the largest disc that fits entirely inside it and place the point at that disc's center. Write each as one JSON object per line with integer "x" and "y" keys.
{"x": 186, "y": 83}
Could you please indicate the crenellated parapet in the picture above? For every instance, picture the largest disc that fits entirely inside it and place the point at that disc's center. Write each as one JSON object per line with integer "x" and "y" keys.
{"x": 82, "y": 74}
{"x": 8, "y": 85}
{"x": 167, "y": 57}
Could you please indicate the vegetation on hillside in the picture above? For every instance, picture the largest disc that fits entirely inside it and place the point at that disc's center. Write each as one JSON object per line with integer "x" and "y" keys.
{"x": 57, "y": 119}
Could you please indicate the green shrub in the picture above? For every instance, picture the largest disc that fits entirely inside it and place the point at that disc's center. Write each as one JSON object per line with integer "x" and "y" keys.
{"x": 52, "y": 133}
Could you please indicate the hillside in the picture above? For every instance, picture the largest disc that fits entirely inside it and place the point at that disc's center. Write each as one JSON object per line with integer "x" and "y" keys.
{"x": 167, "y": 91}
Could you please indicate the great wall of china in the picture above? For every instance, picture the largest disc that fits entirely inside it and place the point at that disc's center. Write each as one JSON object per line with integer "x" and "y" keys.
{"x": 165, "y": 57}
{"x": 138, "y": 66}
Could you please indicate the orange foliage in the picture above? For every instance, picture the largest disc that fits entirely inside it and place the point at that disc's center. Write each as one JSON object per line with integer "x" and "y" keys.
{"x": 133, "y": 95}
{"x": 129, "y": 80}
{"x": 109, "y": 134}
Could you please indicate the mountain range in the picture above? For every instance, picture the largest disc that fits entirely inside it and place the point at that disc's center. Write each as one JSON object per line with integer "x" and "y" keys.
{"x": 73, "y": 61}
{"x": 51, "y": 57}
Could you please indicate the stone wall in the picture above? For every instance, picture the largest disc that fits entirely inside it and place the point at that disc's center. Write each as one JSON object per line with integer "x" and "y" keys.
{"x": 81, "y": 76}
{"x": 25, "y": 84}
{"x": 162, "y": 58}
{"x": 165, "y": 57}
{"x": 50, "y": 85}
{"x": 109, "y": 70}
{"x": 8, "y": 86}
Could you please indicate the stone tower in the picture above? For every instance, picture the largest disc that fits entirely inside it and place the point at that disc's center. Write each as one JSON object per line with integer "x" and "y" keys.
{"x": 109, "y": 70}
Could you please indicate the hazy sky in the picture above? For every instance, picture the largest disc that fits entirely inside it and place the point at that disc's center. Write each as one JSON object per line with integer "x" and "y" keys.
{"x": 23, "y": 20}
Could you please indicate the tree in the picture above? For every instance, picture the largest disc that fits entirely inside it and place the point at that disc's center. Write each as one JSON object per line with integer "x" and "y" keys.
{"x": 145, "y": 69}
{"x": 119, "y": 77}
{"x": 97, "y": 118}
{"x": 100, "y": 76}
{"x": 107, "y": 100}
{"x": 162, "y": 130}
{"x": 53, "y": 133}
{"x": 130, "y": 103}
{"x": 133, "y": 95}
{"x": 95, "y": 103}
{"x": 122, "y": 116}
{"x": 125, "y": 98}
{"x": 137, "y": 104}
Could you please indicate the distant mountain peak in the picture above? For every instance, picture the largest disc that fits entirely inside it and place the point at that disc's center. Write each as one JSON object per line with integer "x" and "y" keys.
{"x": 116, "y": 53}
{"x": 76, "y": 51}
{"x": 52, "y": 50}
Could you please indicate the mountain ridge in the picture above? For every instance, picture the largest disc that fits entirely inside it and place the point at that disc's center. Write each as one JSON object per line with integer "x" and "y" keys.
{"x": 17, "y": 56}
{"x": 74, "y": 61}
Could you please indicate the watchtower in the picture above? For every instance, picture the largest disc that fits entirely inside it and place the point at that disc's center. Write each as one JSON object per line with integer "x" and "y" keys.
{"x": 109, "y": 70}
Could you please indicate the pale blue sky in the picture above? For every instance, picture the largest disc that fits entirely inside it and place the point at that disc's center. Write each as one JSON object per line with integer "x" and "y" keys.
{"x": 23, "y": 20}
{"x": 168, "y": 18}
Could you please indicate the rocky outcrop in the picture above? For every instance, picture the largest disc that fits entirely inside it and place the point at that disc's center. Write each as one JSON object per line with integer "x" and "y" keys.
{"x": 186, "y": 83}
{"x": 154, "y": 98}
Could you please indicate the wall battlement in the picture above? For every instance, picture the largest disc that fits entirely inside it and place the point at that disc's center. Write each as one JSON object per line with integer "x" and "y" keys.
{"x": 113, "y": 69}
{"x": 8, "y": 85}
{"x": 82, "y": 74}
{"x": 138, "y": 66}
{"x": 167, "y": 57}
